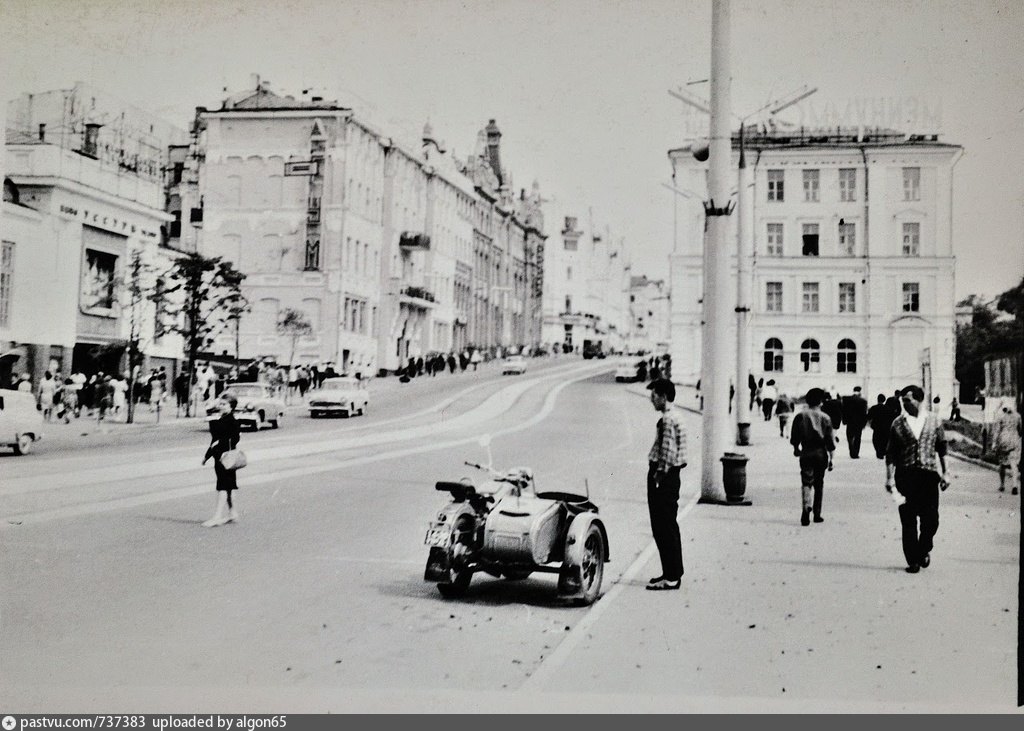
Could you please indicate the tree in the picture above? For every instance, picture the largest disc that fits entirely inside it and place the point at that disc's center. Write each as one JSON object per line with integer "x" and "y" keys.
{"x": 293, "y": 324}
{"x": 209, "y": 295}
{"x": 985, "y": 336}
{"x": 136, "y": 295}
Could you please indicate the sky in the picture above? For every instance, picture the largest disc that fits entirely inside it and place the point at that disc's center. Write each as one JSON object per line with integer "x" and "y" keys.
{"x": 579, "y": 88}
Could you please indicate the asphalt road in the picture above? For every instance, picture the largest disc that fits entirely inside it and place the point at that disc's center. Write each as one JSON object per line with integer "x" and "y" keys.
{"x": 116, "y": 597}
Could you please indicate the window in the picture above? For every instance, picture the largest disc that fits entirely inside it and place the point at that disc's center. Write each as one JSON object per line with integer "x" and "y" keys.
{"x": 846, "y": 357}
{"x": 774, "y": 239}
{"x": 98, "y": 281}
{"x": 848, "y": 184}
{"x": 911, "y": 239}
{"x": 847, "y": 297}
{"x": 911, "y": 184}
{"x": 810, "y": 297}
{"x": 911, "y": 297}
{"x": 776, "y": 189}
{"x": 773, "y": 297}
{"x": 6, "y": 281}
{"x": 312, "y": 253}
{"x": 570, "y": 244}
{"x": 811, "y": 185}
{"x": 810, "y": 356}
{"x": 773, "y": 356}
{"x": 568, "y": 337}
{"x": 810, "y": 239}
{"x": 847, "y": 240}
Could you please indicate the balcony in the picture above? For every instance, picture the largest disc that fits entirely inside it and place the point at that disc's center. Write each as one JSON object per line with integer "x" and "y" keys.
{"x": 410, "y": 240}
{"x": 419, "y": 293}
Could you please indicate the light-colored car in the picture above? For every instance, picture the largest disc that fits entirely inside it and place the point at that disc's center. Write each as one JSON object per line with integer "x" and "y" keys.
{"x": 21, "y": 424}
{"x": 626, "y": 373}
{"x": 342, "y": 395}
{"x": 514, "y": 365}
{"x": 258, "y": 407}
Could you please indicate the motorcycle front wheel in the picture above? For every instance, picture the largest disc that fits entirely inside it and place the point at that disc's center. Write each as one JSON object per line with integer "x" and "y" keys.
{"x": 458, "y": 575}
{"x": 458, "y": 584}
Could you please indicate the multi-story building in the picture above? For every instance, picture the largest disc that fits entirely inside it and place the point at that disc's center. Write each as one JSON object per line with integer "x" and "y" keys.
{"x": 586, "y": 292}
{"x": 84, "y": 192}
{"x": 853, "y": 267}
{"x": 377, "y": 244}
{"x": 649, "y": 304}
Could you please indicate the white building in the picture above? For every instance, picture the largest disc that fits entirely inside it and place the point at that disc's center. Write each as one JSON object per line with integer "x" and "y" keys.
{"x": 84, "y": 190}
{"x": 586, "y": 292}
{"x": 649, "y": 307}
{"x": 853, "y": 266}
{"x": 373, "y": 241}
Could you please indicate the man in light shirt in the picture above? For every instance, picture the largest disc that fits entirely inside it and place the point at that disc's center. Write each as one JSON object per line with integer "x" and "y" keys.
{"x": 915, "y": 461}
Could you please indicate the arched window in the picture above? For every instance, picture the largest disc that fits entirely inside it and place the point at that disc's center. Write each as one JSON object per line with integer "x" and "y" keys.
{"x": 846, "y": 357}
{"x": 810, "y": 356}
{"x": 773, "y": 355}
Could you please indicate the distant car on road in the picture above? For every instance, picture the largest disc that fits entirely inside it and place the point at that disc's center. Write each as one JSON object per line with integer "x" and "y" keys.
{"x": 627, "y": 373}
{"x": 20, "y": 422}
{"x": 343, "y": 395}
{"x": 514, "y": 365}
{"x": 257, "y": 408}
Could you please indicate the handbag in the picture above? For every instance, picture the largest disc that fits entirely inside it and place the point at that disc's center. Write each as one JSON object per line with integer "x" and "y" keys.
{"x": 233, "y": 459}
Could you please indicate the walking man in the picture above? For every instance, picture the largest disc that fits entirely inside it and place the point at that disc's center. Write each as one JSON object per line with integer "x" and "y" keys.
{"x": 916, "y": 458}
{"x": 1006, "y": 443}
{"x": 665, "y": 460}
{"x": 813, "y": 441}
{"x": 855, "y": 414}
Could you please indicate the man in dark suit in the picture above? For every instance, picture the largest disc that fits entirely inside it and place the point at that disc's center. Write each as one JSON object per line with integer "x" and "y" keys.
{"x": 855, "y": 414}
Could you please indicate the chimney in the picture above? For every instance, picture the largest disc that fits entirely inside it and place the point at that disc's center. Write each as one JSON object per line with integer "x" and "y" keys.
{"x": 493, "y": 149}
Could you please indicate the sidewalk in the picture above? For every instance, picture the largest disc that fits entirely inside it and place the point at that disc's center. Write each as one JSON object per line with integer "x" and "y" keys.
{"x": 773, "y": 616}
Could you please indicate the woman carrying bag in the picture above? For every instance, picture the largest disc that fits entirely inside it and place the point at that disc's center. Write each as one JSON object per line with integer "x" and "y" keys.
{"x": 227, "y": 460}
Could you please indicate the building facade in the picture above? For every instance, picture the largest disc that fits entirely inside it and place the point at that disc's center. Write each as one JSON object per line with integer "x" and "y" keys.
{"x": 852, "y": 277}
{"x": 84, "y": 194}
{"x": 586, "y": 297}
{"x": 391, "y": 252}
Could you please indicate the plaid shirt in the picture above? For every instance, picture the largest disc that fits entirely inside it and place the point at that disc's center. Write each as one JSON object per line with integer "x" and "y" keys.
{"x": 906, "y": 450}
{"x": 669, "y": 448}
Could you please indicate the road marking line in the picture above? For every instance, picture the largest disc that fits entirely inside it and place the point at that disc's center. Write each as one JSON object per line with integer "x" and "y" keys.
{"x": 550, "y": 665}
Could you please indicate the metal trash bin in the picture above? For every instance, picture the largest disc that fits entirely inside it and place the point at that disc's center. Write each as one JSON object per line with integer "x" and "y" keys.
{"x": 734, "y": 475}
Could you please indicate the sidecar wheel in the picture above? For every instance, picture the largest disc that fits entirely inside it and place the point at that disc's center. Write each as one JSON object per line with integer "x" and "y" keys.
{"x": 592, "y": 566}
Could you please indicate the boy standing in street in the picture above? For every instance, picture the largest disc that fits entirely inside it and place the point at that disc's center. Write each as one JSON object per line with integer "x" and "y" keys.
{"x": 665, "y": 460}
{"x": 813, "y": 441}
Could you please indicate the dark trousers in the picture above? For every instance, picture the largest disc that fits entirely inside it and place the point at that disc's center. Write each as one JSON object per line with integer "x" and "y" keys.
{"x": 663, "y": 505}
{"x": 813, "y": 465}
{"x": 766, "y": 408}
{"x": 921, "y": 489}
{"x": 853, "y": 439}
{"x": 880, "y": 439}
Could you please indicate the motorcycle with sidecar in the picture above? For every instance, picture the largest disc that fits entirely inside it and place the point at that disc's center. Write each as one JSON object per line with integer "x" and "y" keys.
{"x": 505, "y": 527}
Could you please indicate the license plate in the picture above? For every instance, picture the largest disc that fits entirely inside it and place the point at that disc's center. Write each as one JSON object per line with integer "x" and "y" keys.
{"x": 436, "y": 537}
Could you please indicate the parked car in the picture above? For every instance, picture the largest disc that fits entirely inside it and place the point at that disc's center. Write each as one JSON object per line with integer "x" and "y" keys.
{"x": 343, "y": 395}
{"x": 514, "y": 365}
{"x": 258, "y": 407}
{"x": 20, "y": 422}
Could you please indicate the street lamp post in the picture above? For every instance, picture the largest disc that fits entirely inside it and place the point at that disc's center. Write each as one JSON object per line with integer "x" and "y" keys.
{"x": 715, "y": 351}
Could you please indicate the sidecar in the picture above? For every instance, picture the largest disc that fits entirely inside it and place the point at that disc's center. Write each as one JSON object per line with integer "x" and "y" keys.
{"x": 513, "y": 535}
